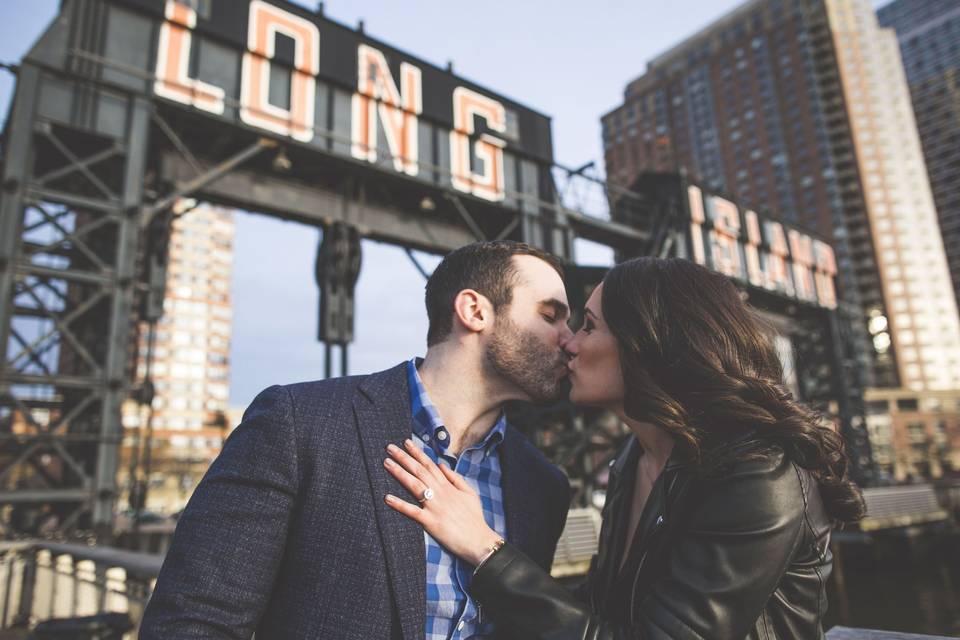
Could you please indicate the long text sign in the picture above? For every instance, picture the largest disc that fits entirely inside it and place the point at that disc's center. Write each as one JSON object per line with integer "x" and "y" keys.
{"x": 764, "y": 253}
{"x": 390, "y": 92}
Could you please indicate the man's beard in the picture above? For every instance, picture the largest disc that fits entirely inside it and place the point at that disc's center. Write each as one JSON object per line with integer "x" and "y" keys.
{"x": 521, "y": 359}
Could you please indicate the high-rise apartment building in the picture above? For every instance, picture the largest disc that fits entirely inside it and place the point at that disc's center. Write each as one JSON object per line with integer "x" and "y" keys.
{"x": 800, "y": 108}
{"x": 190, "y": 366}
{"x": 929, "y": 35}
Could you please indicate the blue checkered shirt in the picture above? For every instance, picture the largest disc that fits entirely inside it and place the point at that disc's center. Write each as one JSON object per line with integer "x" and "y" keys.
{"x": 451, "y": 613}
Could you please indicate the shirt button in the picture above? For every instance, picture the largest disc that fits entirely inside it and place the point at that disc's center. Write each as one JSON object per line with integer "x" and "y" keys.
{"x": 425, "y": 438}
{"x": 441, "y": 435}
{"x": 461, "y": 625}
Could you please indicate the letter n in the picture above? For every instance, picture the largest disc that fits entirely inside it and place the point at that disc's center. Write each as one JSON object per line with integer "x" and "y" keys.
{"x": 377, "y": 93}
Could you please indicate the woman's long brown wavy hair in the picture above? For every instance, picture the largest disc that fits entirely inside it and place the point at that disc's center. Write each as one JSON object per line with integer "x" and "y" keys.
{"x": 697, "y": 362}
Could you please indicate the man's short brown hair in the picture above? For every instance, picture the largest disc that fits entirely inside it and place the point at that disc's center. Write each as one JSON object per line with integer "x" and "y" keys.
{"x": 485, "y": 267}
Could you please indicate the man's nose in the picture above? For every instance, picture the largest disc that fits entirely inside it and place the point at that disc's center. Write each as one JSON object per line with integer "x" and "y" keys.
{"x": 566, "y": 339}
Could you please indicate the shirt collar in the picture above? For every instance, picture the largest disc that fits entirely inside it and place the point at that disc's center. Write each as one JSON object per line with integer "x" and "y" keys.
{"x": 427, "y": 424}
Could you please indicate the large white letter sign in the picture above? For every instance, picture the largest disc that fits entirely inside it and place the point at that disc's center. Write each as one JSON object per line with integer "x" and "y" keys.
{"x": 801, "y": 250}
{"x": 398, "y": 109}
{"x": 173, "y": 59}
{"x": 826, "y": 263}
{"x": 751, "y": 250}
{"x": 489, "y": 184}
{"x": 724, "y": 244}
{"x": 265, "y": 22}
{"x": 778, "y": 274}
{"x": 697, "y": 218}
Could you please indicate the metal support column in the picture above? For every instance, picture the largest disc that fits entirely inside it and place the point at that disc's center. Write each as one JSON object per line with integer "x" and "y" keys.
{"x": 69, "y": 237}
{"x": 111, "y": 431}
{"x": 18, "y": 158}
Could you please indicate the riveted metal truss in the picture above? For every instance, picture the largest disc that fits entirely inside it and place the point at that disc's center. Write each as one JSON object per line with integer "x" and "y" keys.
{"x": 92, "y": 167}
{"x": 75, "y": 263}
{"x": 67, "y": 273}
{"x": 84, "y": 202}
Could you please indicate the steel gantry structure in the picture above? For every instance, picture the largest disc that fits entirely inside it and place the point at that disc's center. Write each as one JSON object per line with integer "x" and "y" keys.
{"x": 93, "y": 165}
{"x": 124, "y": 108}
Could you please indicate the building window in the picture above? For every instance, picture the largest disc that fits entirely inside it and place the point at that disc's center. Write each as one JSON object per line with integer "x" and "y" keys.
{"x": 908, "y": 404}
{"x": 877, "y": 407}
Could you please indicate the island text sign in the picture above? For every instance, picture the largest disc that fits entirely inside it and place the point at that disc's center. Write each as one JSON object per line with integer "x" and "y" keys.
{"x": 763, "y": 253}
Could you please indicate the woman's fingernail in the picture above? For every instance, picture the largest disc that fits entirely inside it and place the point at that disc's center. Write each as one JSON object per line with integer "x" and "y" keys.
{"x": 392, "y": 447}
{"x": 389, "y": 498}
{"x": 389, "y": 462}
{"x": 408, "y": 442}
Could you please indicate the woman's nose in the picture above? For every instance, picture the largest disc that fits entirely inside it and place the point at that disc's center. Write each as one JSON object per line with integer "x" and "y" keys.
{"x": 569, "y": 345}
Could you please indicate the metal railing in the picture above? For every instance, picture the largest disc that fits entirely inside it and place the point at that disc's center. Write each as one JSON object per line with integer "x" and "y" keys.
{"x": 41, "y": 580}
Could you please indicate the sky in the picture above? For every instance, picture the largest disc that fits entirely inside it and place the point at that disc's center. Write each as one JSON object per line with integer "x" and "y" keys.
{"x": 565, "y": 58}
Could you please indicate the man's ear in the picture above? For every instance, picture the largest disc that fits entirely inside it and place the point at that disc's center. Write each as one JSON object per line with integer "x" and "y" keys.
{"x": 472, "y": 310}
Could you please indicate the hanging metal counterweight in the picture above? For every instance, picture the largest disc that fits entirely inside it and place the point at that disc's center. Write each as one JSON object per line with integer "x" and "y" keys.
{"x": 336, "y": 270}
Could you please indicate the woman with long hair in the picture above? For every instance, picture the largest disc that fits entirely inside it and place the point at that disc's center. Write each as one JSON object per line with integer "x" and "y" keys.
{"x": 719, "y": 508}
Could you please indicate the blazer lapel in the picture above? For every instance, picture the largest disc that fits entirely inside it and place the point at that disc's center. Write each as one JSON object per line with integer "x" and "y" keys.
{"x": 518, "y": 488}
{"x": 383, "y": 416}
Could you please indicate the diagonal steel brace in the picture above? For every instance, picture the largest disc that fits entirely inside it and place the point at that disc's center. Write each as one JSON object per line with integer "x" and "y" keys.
{"x": 214, "y": 173}
{"x": 462, "y": 210}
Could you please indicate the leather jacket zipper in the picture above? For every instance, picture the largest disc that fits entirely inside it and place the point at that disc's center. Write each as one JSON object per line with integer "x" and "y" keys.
{"x": 658, "y": 525}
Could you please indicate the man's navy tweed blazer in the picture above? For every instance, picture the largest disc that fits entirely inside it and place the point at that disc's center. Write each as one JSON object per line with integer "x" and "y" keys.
{"x": 287, "y": 535}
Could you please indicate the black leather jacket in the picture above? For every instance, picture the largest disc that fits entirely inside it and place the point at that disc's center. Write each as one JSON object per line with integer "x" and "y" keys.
{"x": 740, "y": 554}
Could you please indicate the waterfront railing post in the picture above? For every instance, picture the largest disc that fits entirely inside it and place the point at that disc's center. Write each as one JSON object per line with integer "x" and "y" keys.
{"x": 27, "y": 585}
